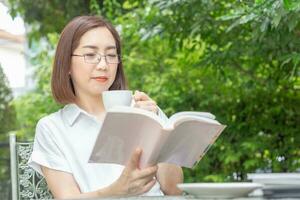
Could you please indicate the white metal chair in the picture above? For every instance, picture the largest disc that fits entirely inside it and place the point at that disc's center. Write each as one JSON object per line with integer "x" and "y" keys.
{"x": 26, "y": 183}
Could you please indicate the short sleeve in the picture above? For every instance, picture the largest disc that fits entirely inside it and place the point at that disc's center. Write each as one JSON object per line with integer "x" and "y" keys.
{"x": 46, "y": 151}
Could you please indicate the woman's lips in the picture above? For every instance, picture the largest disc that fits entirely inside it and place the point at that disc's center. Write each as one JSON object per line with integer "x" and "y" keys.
{"x": 101, "y": 79}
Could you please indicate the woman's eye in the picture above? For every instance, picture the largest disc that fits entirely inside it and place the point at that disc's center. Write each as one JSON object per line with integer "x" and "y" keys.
{"x": 112, "y": 55}
{"x": 90, "y": 54}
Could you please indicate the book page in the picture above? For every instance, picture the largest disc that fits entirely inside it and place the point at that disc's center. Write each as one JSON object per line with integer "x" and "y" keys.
{"x": 127, "y": 109}
{"x": 178, "y": 119}
{"x": 122, "y": 133}
{"x": 192, "y": 113}
{"x": 189, "y": 141}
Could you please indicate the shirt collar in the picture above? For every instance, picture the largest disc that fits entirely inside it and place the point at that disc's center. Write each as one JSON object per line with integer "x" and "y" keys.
{"x": 72, "y": 112}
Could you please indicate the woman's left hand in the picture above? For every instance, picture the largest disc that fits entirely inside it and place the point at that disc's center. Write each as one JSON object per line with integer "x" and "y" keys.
{"x": 143, "y": 101}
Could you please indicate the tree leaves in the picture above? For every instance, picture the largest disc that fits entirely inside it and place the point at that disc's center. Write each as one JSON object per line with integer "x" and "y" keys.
{"x": 236, "y": 59}
{"x": 7, "y": 110}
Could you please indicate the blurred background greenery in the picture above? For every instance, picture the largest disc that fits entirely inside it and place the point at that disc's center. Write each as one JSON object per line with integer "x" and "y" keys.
{"x": 236, "y": 59}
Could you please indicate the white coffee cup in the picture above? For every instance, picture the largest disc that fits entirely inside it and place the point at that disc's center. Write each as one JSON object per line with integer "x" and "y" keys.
{"x": 114, "y": 98}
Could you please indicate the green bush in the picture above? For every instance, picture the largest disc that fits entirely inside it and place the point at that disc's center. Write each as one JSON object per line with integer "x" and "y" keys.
{"x": 7, "y": 110}
{"x": 39, "y": 102}
{"x": 7, "y": 124}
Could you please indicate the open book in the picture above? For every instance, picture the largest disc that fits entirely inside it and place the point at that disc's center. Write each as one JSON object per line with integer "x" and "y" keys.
{"x": 183, "y": 139}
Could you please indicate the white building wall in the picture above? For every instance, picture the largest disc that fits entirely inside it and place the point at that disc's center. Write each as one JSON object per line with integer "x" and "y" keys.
{"x": 13, "y": 56}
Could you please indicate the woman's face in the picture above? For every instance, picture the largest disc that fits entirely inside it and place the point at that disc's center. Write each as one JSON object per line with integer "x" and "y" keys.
{"x": 90, "y": 78}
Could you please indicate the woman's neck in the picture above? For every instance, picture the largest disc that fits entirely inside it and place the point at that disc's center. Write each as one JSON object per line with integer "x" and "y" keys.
{"x": 92, "y": 105}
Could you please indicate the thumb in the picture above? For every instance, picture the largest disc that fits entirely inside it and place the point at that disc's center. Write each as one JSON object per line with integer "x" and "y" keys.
{"x": 134, "y": 161}
{"x": 136, "y": 95}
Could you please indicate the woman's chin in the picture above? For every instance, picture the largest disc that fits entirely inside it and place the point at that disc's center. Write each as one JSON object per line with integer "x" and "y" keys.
{"x": 99, "y": 91}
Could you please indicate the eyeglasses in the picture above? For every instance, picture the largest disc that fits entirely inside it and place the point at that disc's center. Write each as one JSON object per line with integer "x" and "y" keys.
{"x": 95, "y": 58}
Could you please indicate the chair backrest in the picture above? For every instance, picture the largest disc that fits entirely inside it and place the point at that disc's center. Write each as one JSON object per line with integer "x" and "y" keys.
{"x": 26, "y": 182}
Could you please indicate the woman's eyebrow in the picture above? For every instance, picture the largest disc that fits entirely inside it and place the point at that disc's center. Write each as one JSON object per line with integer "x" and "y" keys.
{"x": 96, "y": 48}
{"x": 90, "y": 47}
{"x": 110, "y": 47}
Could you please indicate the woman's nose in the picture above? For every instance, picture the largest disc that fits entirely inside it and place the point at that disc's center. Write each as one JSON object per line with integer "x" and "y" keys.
{"x": 102, "y": 65}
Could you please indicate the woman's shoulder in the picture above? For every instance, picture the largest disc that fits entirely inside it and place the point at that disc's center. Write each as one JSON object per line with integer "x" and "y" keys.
{"x": 52, "y": 125}
{"x": 54, "y": 118}
{"x": 64, "y": 116}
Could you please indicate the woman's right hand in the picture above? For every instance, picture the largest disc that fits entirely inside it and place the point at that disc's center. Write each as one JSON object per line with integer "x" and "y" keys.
{"x": 133, "y": 180}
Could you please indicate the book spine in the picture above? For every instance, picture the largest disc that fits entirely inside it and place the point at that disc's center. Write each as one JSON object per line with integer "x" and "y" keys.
{"x": 160, "y": 142}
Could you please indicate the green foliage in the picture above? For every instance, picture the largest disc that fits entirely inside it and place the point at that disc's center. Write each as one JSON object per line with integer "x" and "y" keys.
{"x": 50, "y": 16}
{"x": 53, "y": 14}
{"x": 7, "y": 123}
{"x": 38, "y": 103}
{"x": 236, "y": 59}
{"x": 224, "y": 62}
{"x": 7, "y": 110}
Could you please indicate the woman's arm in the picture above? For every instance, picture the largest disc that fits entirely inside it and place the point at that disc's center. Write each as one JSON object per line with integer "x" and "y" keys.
{"x": 63, "y": 186}
{"x": 133, "y": 181}
{"x": 169, "y": 176}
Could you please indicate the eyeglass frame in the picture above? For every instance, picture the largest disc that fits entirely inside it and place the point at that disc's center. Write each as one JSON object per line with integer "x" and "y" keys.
{"x": 99, "y": 58}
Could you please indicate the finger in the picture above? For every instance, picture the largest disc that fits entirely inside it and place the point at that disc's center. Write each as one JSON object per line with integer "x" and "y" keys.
{"x": 136, "y": 95}
{"x": 149, "y": 185}
{"x": 140, "y": 96}
{"x": 135, "y": 159}
{"x": 145, "y": 103}
{"x": 148, "y": 108}
{"x": 152, "y": 108}
{"x": 147, "y": 172}
{"x": 146, "y": 180}
{"x": 141, "y": 183}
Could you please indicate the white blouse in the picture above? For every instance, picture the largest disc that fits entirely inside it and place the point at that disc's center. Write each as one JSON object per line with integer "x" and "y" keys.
{"x": 64, "y": 140}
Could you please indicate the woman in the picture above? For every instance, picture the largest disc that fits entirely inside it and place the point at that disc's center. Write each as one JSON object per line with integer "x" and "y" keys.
{"x": 88, "y": 62}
